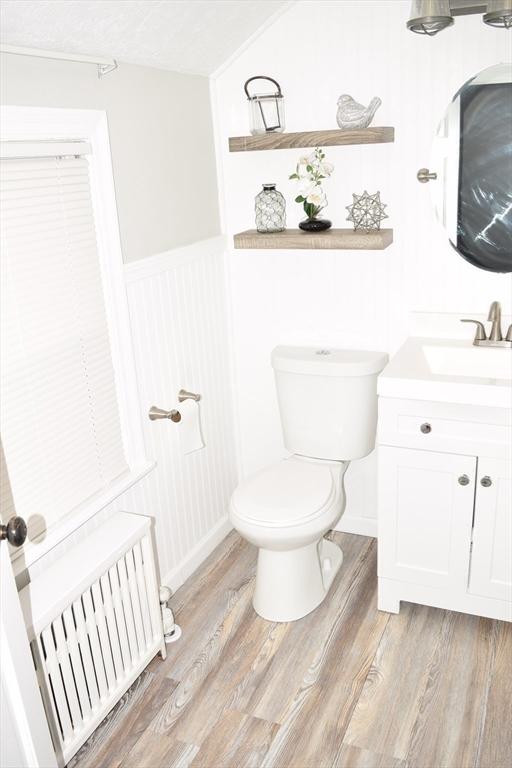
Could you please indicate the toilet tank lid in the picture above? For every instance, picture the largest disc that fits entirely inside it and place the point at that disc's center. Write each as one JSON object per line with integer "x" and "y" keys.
{"x": 328, "y": 361}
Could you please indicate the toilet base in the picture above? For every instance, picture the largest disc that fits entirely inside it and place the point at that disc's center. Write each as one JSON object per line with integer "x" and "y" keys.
{"x": 292, "y": 583}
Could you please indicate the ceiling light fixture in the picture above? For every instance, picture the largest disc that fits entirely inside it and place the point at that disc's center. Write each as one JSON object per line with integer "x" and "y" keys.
{"x": 499, "y": 13}
{"x": 428, "y": 17}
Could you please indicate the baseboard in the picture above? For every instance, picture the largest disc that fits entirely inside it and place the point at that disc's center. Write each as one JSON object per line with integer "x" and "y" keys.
{"x": 180, "y": 573}
{"x": 392, "y": 592}
{"x": 362, "y": 526}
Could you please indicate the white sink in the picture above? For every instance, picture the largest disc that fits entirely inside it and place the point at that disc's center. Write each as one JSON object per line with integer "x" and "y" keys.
{"x": 449, "y": 370}
{"x": 473, "y": 362}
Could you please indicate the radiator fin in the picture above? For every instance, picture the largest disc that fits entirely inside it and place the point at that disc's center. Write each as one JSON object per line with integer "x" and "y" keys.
{"x": 90, "y": 653}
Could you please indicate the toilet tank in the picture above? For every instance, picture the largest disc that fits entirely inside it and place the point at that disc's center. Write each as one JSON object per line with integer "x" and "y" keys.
{"x": 328, "y": 400}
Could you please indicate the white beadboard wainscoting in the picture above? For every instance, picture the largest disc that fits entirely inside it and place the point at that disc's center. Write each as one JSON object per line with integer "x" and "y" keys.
{"x": 179, "y": 320}
{"x": 179, "y": 324}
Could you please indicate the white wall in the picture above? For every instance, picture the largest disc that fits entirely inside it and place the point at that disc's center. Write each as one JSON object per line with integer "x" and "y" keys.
{"x": 179, "y": 323}
{"x": 163, "y": 156}
{"x": 180, "y": 329}
{"x": 161, "y": 141}
{"x": 317, "y": 50}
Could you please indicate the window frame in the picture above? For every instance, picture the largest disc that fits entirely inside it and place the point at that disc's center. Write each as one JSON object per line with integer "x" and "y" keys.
{"x": 55, "y": 124}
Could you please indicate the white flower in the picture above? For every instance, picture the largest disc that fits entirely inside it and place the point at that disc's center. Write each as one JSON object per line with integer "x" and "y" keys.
{"x": 302, "y": 168}
{"x": 310, "y": 171}
{"x": 307, "y": 188}
{"x": 317, "y": 198}
{"x": 326, "y": 168}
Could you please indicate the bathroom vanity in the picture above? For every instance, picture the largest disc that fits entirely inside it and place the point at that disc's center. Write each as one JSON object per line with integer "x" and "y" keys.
{"x": 445, "y": 478}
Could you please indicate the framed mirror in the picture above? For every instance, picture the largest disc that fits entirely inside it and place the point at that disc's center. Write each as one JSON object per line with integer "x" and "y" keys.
{"x": 472, "y": 163}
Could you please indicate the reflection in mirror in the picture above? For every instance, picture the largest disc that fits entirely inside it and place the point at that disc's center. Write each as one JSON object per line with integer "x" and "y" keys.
{"x": 472, "y": 155}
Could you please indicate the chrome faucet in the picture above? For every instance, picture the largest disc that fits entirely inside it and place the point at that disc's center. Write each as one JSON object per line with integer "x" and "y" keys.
{"x": 495, "y": 338}
{"x": 495, "y": 317}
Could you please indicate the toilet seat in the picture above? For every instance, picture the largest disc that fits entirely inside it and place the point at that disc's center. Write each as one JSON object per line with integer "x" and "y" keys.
{"x": 289, "y": 493}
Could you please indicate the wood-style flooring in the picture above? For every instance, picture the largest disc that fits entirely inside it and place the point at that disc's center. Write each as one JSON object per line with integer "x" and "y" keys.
{"x": 347, "y": 686}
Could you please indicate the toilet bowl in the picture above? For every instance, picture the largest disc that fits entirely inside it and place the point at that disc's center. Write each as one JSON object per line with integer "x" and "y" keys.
{"x": 285, "y": 510}
{"x": 328, "y": 407}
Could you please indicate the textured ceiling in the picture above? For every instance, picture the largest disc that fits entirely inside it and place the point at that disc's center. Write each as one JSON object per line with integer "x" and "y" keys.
{"x": 182, "y": 35}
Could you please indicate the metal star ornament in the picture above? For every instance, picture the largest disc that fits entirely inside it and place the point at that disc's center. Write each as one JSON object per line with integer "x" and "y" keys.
{"x": 367, "y": 211}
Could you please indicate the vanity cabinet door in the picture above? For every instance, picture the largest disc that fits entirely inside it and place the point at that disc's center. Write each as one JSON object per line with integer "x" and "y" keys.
{"x": 425, "y": 516}
{"x": 491, "y": 558}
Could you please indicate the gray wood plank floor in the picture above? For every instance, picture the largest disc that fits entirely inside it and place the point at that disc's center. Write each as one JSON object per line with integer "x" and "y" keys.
{"x": 346, "y": 687}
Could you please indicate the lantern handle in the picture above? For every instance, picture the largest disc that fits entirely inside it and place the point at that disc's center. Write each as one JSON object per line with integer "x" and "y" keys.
{"x": 262, "y": 77}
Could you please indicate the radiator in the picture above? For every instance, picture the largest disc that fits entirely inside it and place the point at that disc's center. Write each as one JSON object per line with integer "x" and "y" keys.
{"x": 94, "y": 623}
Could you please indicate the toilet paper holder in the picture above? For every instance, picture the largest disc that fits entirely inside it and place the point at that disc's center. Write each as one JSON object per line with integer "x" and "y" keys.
{"x": 184, "y": 394}
{"x": 173, "y": 415}
{"x": 159, "y": 413}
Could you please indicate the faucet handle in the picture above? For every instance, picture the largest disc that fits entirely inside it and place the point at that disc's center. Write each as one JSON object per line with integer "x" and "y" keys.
{"x": 508, "y": 337}
{"x": 480, "y": 330}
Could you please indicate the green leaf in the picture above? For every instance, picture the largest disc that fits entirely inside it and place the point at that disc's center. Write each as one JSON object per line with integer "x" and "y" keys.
{"x": 294, "y": 176}
{"x": 299, "y": 199}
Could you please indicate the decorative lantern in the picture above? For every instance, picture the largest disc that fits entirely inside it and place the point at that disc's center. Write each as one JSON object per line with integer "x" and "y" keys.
{"x": 266, "y": 110}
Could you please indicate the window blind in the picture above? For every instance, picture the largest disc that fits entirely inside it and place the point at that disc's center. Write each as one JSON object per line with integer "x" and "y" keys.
{"x": 59, "y": 416}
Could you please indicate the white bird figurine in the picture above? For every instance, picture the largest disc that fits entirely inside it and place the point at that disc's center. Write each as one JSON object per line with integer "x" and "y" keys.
{"x": 351, "y": 115}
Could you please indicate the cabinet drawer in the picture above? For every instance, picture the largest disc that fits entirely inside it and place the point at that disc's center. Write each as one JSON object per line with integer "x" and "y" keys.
{"x": 445, "y": 427}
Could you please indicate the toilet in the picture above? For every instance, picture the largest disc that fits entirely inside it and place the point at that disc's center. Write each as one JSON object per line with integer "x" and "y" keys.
{"x": 328, "y": 405}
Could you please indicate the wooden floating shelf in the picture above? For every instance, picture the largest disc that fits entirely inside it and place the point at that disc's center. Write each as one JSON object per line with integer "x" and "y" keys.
{"x": 335, "y": 239}
{"x": 330, "y": 138}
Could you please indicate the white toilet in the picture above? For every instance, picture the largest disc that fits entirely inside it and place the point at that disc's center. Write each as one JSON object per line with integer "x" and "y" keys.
{"x": 328, "y": 405}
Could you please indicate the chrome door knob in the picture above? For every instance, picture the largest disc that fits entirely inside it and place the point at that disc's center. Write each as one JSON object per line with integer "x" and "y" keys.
{"x": 486, "y": 481}
{"x": 463, "y": 480}
{"x": 15, "y": 531}
{"x": 426, "y": 428}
